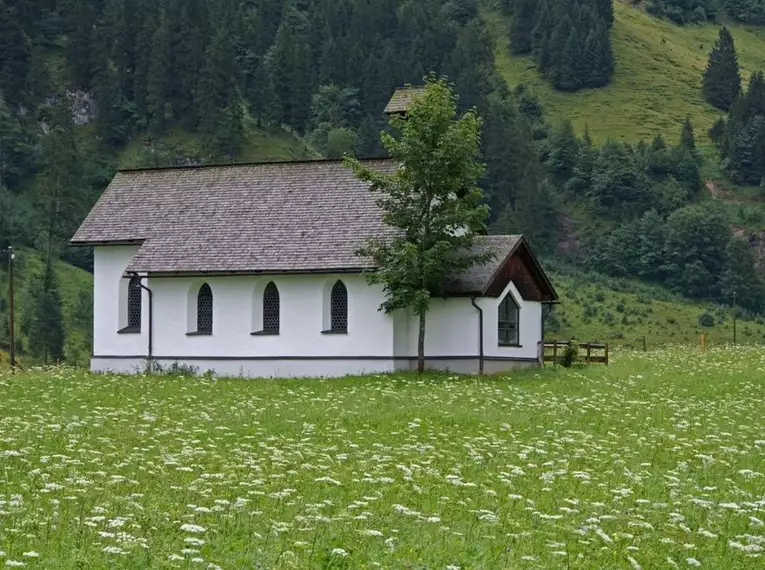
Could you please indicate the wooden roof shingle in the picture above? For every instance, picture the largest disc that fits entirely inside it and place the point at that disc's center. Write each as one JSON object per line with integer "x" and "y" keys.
{"x": 296, "y": 217}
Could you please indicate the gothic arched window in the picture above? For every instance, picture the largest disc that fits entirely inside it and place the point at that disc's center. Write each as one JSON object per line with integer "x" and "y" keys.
{"x": 205, "y": 310}
{"x": 271, "y": 309}
{"x": 339, "y": 308}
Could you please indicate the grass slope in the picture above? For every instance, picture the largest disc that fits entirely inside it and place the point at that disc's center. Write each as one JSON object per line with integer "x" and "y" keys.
{"x": 76, "y": 287}
{"x": 262, "y": 145}
{"x": 594, "y": 307}
{"x": 654, "y": 461}
{"x": 656, "y": 82}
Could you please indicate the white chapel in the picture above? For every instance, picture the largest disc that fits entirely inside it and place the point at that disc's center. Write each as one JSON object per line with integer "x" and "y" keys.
{"x": 251, "y": 270}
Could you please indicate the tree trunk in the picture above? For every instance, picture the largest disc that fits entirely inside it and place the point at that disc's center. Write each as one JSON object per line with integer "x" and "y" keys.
{"x": 421, "y": 346}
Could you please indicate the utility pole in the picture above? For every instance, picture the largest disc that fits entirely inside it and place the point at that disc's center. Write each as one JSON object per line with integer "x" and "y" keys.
{"x": 11, "y": 315}
{"x": 734, "y": 317}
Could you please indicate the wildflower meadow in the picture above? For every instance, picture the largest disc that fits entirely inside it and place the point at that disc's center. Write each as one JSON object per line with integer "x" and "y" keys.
{"x": 656, "y": 461}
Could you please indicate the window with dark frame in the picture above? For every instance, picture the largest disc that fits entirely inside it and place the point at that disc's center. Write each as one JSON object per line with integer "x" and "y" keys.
{"x": 271, "y": 309}
{"x": 205, "y": 310}
{"x": 339, "y": 308}
{"x": 134, "y": 304}
{"x": 507, "y": 325}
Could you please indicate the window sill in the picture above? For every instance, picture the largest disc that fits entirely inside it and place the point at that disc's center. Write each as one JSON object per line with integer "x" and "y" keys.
{"x": 199, "y": 333}
{"x": 265, "y": 333}
{"x": 334, "y": 331}
{"x": 130, "y": 330}
{"x": 510, "y": 344}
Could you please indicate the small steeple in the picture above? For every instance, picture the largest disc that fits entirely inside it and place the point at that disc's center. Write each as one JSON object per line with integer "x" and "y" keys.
{"x": 402, "y": 99}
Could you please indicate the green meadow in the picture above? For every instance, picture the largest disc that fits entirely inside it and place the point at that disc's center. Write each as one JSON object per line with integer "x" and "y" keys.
{"x": 655, "y": 461}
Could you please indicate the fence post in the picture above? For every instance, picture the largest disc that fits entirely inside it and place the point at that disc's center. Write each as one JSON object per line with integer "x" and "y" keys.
{"x": 588, "y": 352}
{"x": 606, "y": 354}
{"x": 555, "y": 353}
{"x": 644, "y": 345}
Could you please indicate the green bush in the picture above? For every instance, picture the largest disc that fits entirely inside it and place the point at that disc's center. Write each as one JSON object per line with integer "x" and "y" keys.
{"x": 706, "y": 319}
{"x": 570, "y": 355}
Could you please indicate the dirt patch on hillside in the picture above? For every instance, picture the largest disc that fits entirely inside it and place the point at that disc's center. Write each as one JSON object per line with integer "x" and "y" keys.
{"x": 729, "y": 196}
{"x": 568, "y": 243}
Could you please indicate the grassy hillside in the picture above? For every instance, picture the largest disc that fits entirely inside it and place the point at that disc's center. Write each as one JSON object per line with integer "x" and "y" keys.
{"x": 263, "y": 145}
{"x": 76, "y": 288}
{"x": 623, "y": 311}
{"x": 656, "y": 82}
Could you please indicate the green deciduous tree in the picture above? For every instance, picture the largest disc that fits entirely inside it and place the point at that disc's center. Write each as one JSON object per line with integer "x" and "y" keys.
{"x": 721, "y": 82}
{"x": 697, "y": 237}
{"x": 430, "y": 199}
{"x": 620, "y": 189}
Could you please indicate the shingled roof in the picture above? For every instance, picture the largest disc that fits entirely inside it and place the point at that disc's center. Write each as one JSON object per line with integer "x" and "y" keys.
{"x": 402, "y": 98}
{"x": 297, "y": 217}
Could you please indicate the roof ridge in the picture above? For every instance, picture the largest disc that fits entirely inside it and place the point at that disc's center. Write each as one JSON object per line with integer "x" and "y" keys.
{"x": 251, "y": 163}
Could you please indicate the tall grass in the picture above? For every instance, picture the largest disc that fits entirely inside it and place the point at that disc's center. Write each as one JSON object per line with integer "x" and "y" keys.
{"x": 654, "y": 461}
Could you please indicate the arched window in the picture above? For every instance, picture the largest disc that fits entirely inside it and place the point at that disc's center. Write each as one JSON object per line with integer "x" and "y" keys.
{"x": 134, "y": 304}
{"x": 271, "y": 309}
{"x": 507, "y": 325}
{"x": 205, "y": 310}
{"x": 339, "y": 308}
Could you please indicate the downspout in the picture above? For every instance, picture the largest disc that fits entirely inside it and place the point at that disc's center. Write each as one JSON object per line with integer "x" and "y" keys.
{"x": 480, "y": 335}
{"x": 150, "y": 355}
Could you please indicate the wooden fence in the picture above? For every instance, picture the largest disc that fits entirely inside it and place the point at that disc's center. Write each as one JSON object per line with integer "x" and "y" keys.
{"x": 588, "y": 352}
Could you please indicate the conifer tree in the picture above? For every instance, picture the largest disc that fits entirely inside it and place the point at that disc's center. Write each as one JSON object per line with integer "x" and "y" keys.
{"x": 687, "y": 136}
{"x": 46, "y": 334}
{"x": 14, "y": 54}
{"x": 158, "y": 96}
{"x": 568, "y": 77}
{"x": 722, "y": 81}
{"x": 563, "y": 152}
{"x": 80, "y": 43}
{"x": 218, "y": 103}
{"x": 58, "y": 184}
{"x": 540, "y": 35}
{"x": 605, "y": 10}
{"x": 522, "y": 25}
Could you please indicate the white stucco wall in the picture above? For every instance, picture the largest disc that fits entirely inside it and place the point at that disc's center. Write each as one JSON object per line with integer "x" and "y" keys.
{"x": 237, "y": 312}
{"x": 451, "y": 328}
{"x": 109, "y": 314}
{"x": 375, "y": 342}
{"x": 302, "y": 319}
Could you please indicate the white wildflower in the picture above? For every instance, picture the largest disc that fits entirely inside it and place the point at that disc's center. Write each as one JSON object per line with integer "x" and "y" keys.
{"x": 634, "y": 563}
{"x": 194, "y": 541}
{"x": 31, "y": 554}
{"x": 339, "y": 552}
{"x": 193, "y": 528}
{"x": 370, "y": 532}
{"x": 692, "y": 562}
{"x": 601, "y": 533}
{"x": 15, "y": 563}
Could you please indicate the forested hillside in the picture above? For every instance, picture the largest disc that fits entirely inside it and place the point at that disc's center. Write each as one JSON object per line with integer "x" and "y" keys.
{"x": 91, "y": 85}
